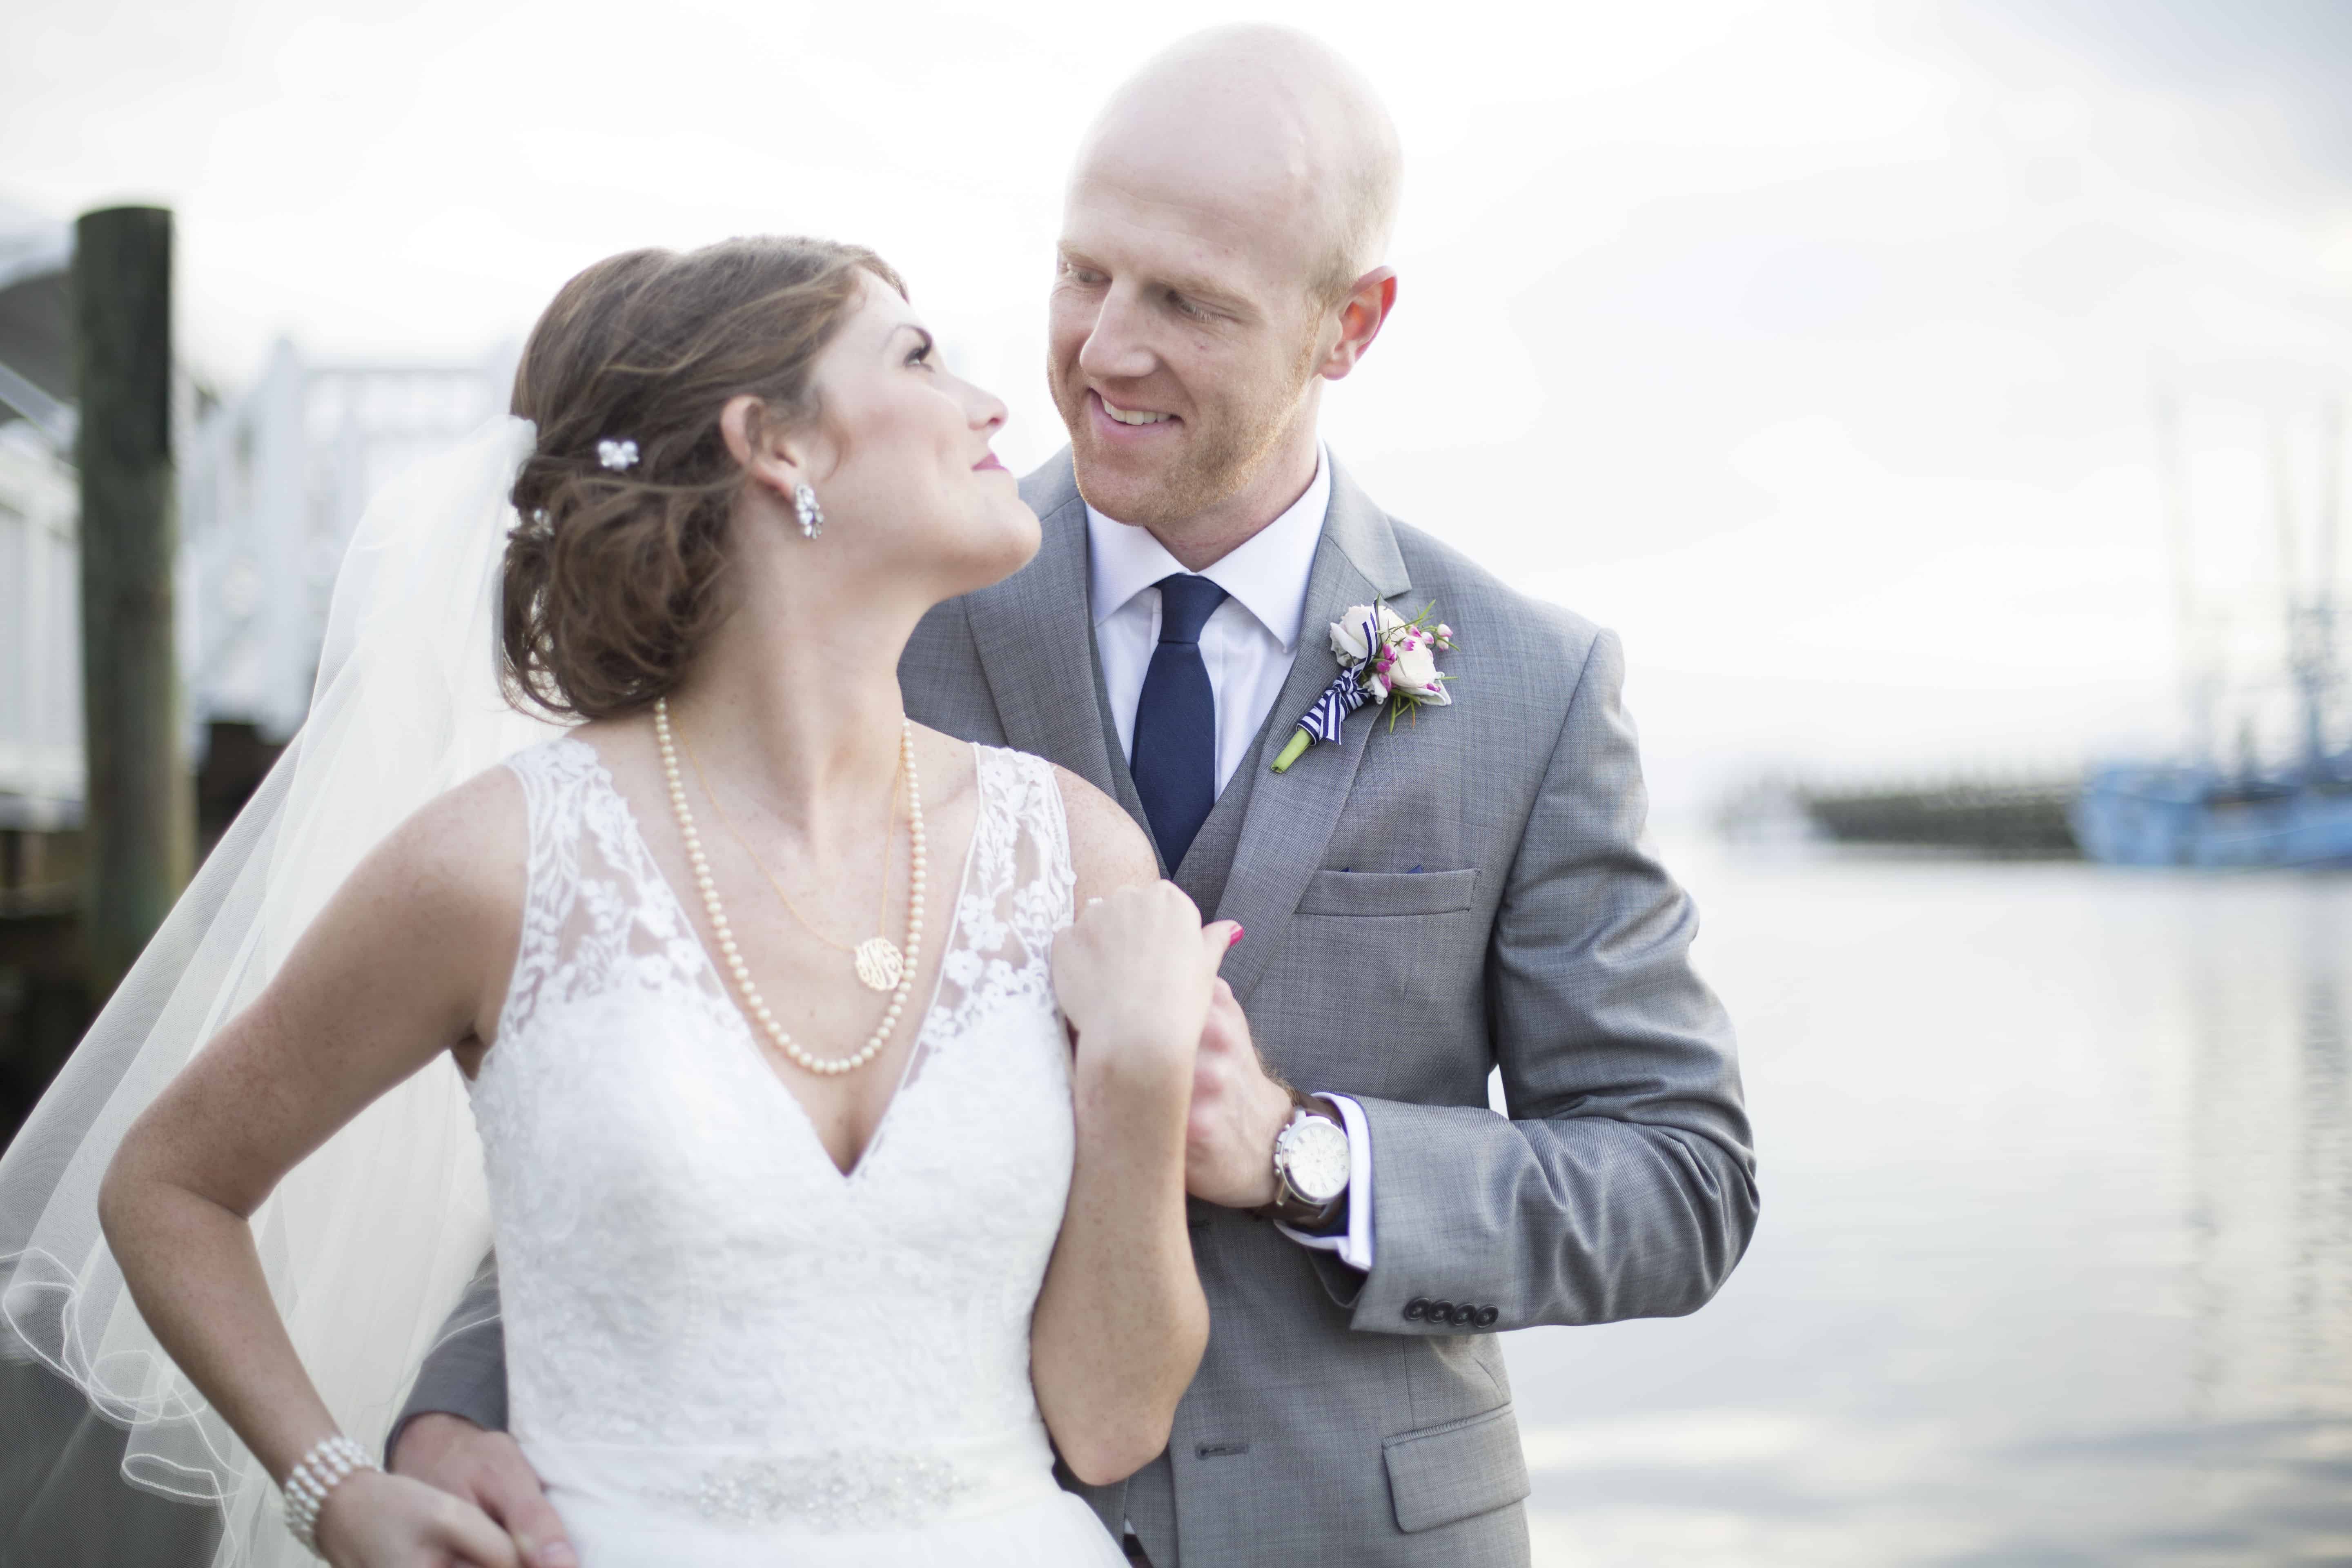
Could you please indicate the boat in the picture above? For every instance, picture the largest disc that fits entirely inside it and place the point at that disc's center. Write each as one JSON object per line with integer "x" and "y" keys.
{"x": 2189, "y": 815}
{"x": 2198, "y": 812}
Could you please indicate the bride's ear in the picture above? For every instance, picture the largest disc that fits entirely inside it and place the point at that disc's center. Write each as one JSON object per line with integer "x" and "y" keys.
{"x": 774, "y": 458}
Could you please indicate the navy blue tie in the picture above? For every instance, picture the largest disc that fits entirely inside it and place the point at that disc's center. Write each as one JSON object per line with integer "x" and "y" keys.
{"x": 1175, "y": 754}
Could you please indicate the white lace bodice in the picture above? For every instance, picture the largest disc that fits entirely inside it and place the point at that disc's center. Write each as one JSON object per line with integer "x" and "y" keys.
{"x": 682, "y": 1266}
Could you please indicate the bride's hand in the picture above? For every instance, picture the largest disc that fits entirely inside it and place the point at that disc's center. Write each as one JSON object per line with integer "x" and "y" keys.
{"x": 1133, "y": 975}
{"x": 376, "y": 1521}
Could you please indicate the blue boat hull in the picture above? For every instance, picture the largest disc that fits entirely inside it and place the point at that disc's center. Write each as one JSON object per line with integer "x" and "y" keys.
{"x": 2141, "y": 815}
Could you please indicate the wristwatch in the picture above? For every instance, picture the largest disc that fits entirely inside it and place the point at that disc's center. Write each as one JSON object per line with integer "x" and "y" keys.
{"x": 1311, "y": 1165}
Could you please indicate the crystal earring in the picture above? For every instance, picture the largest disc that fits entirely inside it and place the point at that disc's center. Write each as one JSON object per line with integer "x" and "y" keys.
{"x": 812, "y": 514}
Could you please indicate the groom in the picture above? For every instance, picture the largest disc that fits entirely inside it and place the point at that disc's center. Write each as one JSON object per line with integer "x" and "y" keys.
{"x": 1422, "y": 903}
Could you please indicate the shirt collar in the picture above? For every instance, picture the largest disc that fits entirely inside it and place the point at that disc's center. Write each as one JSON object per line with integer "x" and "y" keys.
{"x": 1268, "y": 573}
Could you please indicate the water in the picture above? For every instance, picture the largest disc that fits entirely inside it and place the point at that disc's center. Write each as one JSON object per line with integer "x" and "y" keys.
{"x": 2055, "y": 1266}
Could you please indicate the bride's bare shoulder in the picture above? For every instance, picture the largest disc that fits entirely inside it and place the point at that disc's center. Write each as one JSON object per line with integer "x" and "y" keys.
{"x": 464, "y": 849}
{"x": 437, "y": 900}
{"x": 1108, "y": 850}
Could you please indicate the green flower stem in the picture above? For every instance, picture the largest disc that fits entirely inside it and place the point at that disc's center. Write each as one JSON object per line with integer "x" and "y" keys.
{"x": 1299, "y": 740}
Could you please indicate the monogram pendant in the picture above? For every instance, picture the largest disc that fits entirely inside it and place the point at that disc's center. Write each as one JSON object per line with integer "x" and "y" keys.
{"x": 880, "y": 964}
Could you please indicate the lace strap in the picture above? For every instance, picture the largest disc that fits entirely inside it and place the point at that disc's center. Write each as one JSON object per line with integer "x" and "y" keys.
{"x": 1028, "y": 795}
{"x": 1016, "y": 896}
{"x": 555, "y": 778}
{"x": 1047, "y": 821}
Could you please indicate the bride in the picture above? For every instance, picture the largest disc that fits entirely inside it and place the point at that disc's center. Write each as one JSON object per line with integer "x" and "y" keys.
{"x": 830, "y": 1074}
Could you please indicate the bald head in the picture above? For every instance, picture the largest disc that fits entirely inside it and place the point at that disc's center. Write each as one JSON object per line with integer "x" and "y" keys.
{"x": 1267, "y": 119}
{"x": 1219, "y": 264}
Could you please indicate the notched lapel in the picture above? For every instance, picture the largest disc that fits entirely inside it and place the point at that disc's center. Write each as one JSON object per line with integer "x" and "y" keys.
{"x": 1292, "y": 815}
{"x": 1036, "y": 639}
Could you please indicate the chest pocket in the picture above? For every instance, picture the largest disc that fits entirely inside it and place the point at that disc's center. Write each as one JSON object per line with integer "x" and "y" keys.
{"x": 1389, "y": 892}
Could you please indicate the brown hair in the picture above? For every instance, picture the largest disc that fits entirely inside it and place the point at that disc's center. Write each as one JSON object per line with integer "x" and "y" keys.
{"x": 611, "y": 580}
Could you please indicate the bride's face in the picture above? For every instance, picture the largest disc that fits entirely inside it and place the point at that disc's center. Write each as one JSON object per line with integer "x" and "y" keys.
{"x": 904, "y": 472}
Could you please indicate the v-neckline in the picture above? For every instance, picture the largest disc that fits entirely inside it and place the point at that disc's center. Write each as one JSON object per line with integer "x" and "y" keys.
{"x": 755, "y": 1055}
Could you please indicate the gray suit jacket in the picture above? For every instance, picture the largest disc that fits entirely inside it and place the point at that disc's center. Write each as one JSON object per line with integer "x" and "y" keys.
{"x": 1465, "y": 892}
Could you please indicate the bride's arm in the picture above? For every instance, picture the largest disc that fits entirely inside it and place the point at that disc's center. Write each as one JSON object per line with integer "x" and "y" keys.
{"x": 408, "y": 959}
{"x": 1121, "y": 1321}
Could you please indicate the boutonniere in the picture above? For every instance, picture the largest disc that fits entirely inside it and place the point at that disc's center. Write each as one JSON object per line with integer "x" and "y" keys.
{"x": 1383, "y": 657}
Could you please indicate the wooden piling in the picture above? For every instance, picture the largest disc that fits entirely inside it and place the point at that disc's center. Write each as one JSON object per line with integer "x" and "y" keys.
{"x": 140, "y": 799}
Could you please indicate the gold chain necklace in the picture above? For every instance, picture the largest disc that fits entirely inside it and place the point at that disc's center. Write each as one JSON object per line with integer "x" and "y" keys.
{"x": 700, "y": 863}
{"x": 879, "y": 963}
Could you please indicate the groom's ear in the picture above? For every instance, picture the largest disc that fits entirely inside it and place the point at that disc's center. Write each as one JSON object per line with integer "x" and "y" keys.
{"x": 1362, "y": 313}
{"x": 773, "y": 456}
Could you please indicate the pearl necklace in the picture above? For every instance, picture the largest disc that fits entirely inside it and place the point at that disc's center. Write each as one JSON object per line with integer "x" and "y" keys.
{"x": 879, "y": 964}
{"x": 758, "y": 1008}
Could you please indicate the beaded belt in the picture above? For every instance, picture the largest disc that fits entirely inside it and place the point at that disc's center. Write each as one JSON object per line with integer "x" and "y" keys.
{"x": 837, "y": 1490}
{"x": 820, "y": 1491}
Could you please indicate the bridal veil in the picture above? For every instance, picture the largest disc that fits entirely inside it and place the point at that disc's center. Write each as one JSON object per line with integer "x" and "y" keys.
{"x": 368, "y": 1243}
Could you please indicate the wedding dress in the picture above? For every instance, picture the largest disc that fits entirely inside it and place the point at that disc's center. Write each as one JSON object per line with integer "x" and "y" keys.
{"x": 720, "y": 1349}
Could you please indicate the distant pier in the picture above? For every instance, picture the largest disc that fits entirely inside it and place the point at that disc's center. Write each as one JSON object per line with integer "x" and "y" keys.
{"x": 2004, "y": 819}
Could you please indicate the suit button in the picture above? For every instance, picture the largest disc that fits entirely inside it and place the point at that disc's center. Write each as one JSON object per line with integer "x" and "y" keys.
{"x": 1464, "y": 1314}
{"x": 1416, "y": 1309}
{"x": 1441, "y": 1312}
{"x": 1486, "y": 1316}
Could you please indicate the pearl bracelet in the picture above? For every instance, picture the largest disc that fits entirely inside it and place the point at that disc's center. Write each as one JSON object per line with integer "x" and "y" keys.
{"x": 326, "y": 1467}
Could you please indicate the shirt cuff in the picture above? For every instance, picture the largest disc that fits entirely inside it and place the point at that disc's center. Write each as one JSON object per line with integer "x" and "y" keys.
{"x": 1353, "y": 1245}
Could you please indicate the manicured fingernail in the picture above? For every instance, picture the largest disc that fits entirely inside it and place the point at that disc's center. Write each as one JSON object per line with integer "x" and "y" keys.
{"x": 1236, "y": 940}
{"x": 558, "y": 1555}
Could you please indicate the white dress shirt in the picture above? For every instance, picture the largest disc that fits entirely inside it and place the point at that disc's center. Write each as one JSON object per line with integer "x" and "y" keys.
{"x": 1248, "y": 645}
{"x": 1249, "y": 640}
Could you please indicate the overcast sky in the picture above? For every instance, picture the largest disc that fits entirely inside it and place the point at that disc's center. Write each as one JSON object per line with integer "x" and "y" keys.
{"x": 1809, "y": 345}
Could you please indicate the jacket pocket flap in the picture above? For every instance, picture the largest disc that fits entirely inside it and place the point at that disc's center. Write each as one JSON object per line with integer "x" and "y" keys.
{"x": 1388, "y": 892}
{"x": 1440, "y": 1474}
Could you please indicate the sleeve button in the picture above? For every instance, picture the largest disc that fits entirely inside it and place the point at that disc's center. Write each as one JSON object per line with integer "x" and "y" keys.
{"x": 1441, "y": 1312}
{"x": 1486, "y": 1317}
{"x": 1463, "y": 1315}
{"x": 1416, "y": 1309}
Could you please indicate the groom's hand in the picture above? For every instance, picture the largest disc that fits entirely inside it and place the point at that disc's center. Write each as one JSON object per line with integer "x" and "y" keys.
{"x": 487, "y": 1469}
{"x": 1237, "y": 1109}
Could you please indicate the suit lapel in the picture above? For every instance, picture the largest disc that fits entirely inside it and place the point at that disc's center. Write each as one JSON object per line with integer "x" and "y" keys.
{"x": 1290, "y": 818}
{"x": 1121, "y": 777}
{"x": 1036, "y": 639}
{"x": 1035, "y": 634}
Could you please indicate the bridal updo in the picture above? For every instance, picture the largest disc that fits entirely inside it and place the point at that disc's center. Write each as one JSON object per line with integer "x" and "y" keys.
{"x": 612, "y": 579}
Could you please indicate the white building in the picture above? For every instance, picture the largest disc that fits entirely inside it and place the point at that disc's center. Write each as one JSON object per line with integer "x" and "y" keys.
{"x": 272, "y": 483}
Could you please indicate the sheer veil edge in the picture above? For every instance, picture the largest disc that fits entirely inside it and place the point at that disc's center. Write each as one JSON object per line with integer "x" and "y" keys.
{"x": 369, "y": 1242}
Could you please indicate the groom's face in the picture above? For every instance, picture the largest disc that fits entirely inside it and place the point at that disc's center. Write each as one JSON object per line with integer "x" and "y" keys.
{"x": 1184, "y": 331}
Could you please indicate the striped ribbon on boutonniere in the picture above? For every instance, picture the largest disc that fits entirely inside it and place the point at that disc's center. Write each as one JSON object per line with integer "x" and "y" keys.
{"x": 1383, "y": 657}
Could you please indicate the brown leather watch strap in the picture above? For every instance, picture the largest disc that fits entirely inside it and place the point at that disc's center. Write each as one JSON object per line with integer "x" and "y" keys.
{"x": 1298, "y": 1215}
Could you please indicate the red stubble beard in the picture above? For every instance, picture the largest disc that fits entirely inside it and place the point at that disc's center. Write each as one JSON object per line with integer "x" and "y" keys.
{"x": 1205, "y": 460}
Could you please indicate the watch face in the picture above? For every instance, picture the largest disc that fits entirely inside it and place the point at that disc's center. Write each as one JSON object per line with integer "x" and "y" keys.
{"x": 1315, "y": 1159}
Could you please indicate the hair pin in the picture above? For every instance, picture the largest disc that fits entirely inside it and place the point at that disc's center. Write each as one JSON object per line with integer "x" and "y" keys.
{"x": 617, "y": 455}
